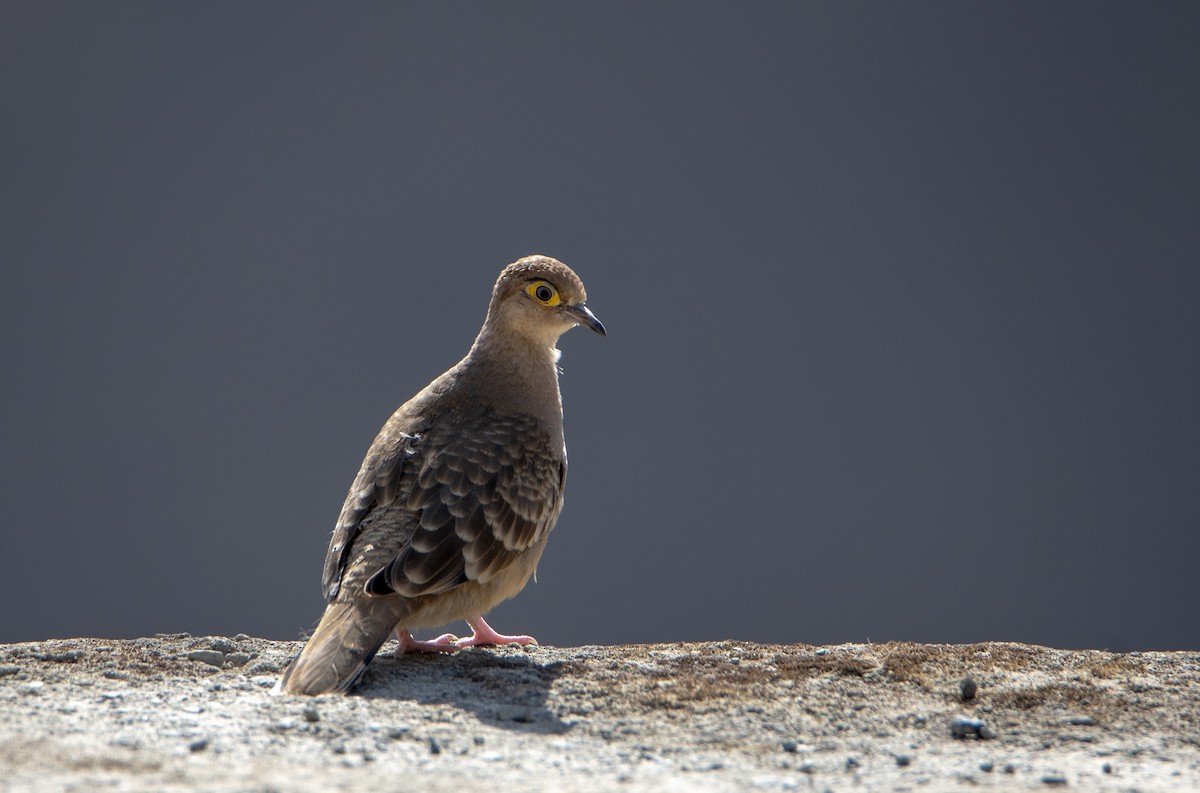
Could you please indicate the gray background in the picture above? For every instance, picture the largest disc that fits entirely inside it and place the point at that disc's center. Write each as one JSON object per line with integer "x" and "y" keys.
{"x": 902, "y": 301}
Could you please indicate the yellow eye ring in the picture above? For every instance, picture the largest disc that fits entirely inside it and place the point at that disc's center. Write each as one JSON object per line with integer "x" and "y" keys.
{"x": 544, "y": 293}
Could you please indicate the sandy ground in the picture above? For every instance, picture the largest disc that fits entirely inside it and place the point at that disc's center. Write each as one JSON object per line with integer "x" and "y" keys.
{"x": 196, "y": 713}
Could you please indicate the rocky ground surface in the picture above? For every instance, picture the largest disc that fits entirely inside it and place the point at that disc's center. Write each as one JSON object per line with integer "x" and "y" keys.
{"x": 196, "y": 713}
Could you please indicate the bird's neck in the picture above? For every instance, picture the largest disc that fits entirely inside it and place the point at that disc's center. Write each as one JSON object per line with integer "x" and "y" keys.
{"x": 528, "y": 367}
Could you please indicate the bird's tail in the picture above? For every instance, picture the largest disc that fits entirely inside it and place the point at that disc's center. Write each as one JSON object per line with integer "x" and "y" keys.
{"x": 345, "y": 641}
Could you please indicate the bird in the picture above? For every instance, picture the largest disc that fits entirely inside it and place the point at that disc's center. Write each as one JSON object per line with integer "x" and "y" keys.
{"x": 457, "y": 495}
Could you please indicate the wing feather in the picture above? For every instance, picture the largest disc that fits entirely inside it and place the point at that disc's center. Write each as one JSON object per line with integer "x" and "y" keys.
{"x": 478, "y": 493}
{"x": 485, "y": 515}
{"x": 377, "y": 484}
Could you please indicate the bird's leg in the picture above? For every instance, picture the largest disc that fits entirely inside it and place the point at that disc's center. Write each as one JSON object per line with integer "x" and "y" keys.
{"x": 446, "y": 643}
{"x": 484, "y": 634}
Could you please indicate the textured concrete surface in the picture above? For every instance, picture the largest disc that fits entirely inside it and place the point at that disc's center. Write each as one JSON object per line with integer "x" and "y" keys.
{"x": 180, "y": 712}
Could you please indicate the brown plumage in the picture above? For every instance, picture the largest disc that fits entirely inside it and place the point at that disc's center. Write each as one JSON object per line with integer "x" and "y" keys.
{"x": 456, "y": 497}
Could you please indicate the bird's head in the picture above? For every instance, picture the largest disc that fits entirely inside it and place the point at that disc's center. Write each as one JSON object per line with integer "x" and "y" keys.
{"x": 539, "y": 299}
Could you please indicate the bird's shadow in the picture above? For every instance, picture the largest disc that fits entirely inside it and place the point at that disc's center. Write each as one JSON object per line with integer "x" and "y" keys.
{"x": 505, "y": 687}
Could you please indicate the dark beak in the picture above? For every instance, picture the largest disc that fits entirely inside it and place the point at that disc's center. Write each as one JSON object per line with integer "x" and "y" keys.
{"x": 582, "y": 315}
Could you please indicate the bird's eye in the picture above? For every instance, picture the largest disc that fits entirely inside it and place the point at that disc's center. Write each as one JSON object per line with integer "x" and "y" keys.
{"x": 544, "y": 293}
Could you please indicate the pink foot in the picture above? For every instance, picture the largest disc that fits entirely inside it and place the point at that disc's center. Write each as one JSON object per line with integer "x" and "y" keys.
{"x": 446, "y": 643}
{"x": 484, "y": 634}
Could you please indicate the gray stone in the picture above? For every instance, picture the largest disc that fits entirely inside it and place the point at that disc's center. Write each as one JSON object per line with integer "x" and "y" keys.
{"x": 222, "y": 645}
{"x": 964, "y": 727}
{"x": 211, "y": 657}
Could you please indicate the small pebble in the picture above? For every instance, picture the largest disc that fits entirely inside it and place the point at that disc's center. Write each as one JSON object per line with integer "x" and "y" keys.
{"x": 903, "y": 760}
{"x": 1083, "y": 721}
{"x": 434, "y": 746}
{"x": 237, "y": 659}
{"x": 790, "y": 746}
{"x": 210, "y": 657}
{"x": 223, "y": 646}
{"x": 5, "y": 671}
{"x": 1054, "y": 779}
{"x": 198, "y": 745}
{"x": 1009, "y": 768}
{"x": 852, "y": 762}
{"x": 967, "y": 689}
{"x": 963, "y": 727}
{"x": 262, "y": 667}
{"x": 1107, "y": 768}
{"x": 986, "y": 767}
{"x": 311, "y": 714}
